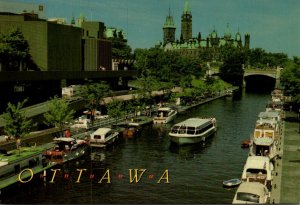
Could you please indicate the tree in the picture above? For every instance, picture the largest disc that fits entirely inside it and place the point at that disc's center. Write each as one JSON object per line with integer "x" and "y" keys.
{"x": 14, "y": 51}
{"x": 16, "y": 122}
{"x": 290, "y": 80}
{"x": 232, "y": 69}
{"x": 58, "y": 113}
{"x": 115, "y": 109}
{"x": 94, "y": 94}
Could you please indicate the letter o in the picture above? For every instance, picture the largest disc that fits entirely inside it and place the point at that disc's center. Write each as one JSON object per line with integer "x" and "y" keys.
{"x": 31, "y": 173}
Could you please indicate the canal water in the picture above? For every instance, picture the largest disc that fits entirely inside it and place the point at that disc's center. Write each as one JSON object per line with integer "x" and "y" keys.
{"x": 187, "y": 174}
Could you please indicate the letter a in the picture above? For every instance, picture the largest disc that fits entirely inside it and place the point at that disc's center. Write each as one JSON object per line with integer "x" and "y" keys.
{"x": 135, "y": 177}
{"x": 164, "y": 176}
{"x": 108, "y": 177}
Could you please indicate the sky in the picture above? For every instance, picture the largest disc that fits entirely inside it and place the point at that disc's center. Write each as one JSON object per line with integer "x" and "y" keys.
{"x": 273, "y": 25}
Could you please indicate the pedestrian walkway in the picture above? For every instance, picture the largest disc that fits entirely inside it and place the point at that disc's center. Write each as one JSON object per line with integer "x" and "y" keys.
{"x": 286, "y": 183}
{"x": 290, "y": 180}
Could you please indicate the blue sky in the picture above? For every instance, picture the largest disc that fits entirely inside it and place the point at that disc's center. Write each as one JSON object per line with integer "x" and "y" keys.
{"x": 274, "y": 25}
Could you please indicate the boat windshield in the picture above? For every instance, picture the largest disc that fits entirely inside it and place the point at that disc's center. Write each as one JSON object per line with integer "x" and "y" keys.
{"x": 256, "y": 171}
{"x": 191, "y": 130}
{"x": 242, "y": 196}
{"x": 162, "y": 114}
{"x": 175, "y": 129}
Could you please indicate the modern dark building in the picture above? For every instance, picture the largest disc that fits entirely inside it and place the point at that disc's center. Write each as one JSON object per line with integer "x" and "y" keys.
{"x": 63, "y": 54}
{"x": 53, "y": 47}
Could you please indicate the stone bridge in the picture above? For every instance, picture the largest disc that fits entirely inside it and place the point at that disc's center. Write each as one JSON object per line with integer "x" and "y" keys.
{"x": 272, "y": 73}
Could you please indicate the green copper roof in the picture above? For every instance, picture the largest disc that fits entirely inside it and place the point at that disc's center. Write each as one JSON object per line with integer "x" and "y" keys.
{"x": 169, "y": 22}
{"x": 187, "y": 9}
{"x": 214, "y": 34}
{"x": 227, "y": 33}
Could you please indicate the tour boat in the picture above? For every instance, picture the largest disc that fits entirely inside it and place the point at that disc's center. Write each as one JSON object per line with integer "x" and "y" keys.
{"x": 103, "y": 137}
{"x": 65, "y": 149}
{"x": 251, "y": 193}
{"x": 258, "y": 169}
{"x": 164, "y": 115}
{"x": 193, "y": 130}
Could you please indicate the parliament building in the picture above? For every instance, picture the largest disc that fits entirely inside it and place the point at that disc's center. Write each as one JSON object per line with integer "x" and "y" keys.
{"x": 197, "y": 46}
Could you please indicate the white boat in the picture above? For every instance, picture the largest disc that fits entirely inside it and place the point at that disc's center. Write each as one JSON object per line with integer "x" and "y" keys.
{"x": 231, "y": 183}
{"x": 65, "y": 149}
{"x": 251, "y": 193}
{"x": 271, "y": 115}
{"x": 258, "y": 169}
{"x": 103, "y": 137}
{"x": 264, "y": 140}
{"x": 193, "y": 130}
{"x": 164, "y": 115}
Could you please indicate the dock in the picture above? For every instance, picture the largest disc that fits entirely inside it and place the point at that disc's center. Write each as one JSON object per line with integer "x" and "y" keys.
{"x": 286, "y": 186}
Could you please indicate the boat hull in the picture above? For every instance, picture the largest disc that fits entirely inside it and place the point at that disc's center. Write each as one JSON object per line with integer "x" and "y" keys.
{"x": 191, "y": 139}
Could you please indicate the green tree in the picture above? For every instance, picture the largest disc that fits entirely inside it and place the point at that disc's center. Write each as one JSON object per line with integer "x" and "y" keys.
{"x": 59, "y": 113}
{"x": 290, "y": 80}
{"x": 115, "y": 109}
{"x": 14, "y": 51}
{"x": 232, "y": 69}
{"x": 16, "y": 122}
{"x": 94, "y": 95}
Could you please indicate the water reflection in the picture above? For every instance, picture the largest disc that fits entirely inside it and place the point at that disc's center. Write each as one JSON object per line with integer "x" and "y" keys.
{"x": 188, "y": 151}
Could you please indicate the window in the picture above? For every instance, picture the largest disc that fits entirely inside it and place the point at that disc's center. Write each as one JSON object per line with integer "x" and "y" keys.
{"x": 242, "y": 196}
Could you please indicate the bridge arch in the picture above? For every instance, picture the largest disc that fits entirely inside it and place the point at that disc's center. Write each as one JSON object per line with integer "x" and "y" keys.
{"x": 259, "y": 82}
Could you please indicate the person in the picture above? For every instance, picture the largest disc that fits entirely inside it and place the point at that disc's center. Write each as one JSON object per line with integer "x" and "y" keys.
{"x": 67, "y": 133}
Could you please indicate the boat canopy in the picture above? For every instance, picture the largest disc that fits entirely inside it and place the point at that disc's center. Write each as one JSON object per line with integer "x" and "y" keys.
{"x": 263, "y": 141}
{"x": 252, "y": 187}
{"x": 168, "y": 109}
{"x": 258, "y": 162}
{"x": 268, "y": 115}
{"x": 64, "y": 139}
{"x": 101, "y": 131}
{"x": 194, "y": 122}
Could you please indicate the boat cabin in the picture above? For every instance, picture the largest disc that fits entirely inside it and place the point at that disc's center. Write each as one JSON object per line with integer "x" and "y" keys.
{"x": 103, "y": 136}
{"x": 269, "y": 116}
{"x": 165, "y": 112}
{"x": 267, "y": 124}
{"x": 264, "y": 130}
{"x": 251, "y": 192}
{"x": 263, "y": 147}
{"x": 258, "y": 169}
{"x": 63, "y": 146}
{"x": 192, "y": 126}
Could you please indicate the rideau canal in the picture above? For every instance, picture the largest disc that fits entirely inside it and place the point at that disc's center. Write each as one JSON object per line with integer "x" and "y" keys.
{"x": 195, "y": 173}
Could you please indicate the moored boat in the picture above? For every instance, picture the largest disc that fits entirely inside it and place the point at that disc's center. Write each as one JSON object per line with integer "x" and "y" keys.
{"x": 251, "y": 193}
{"x": 65, "y": 149}
{"x": 12, "y": 163}
{"x": 103, "y": 137}
{"x": 193, "y": 130}
{"x": 164, "y": 115}
{"x": 231, "y": 183}
{"x": 258, "y": 169}
{"x": 264, "y": 140}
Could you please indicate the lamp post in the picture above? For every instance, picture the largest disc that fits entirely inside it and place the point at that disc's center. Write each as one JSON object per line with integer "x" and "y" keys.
{"x": 299, "y": 120}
